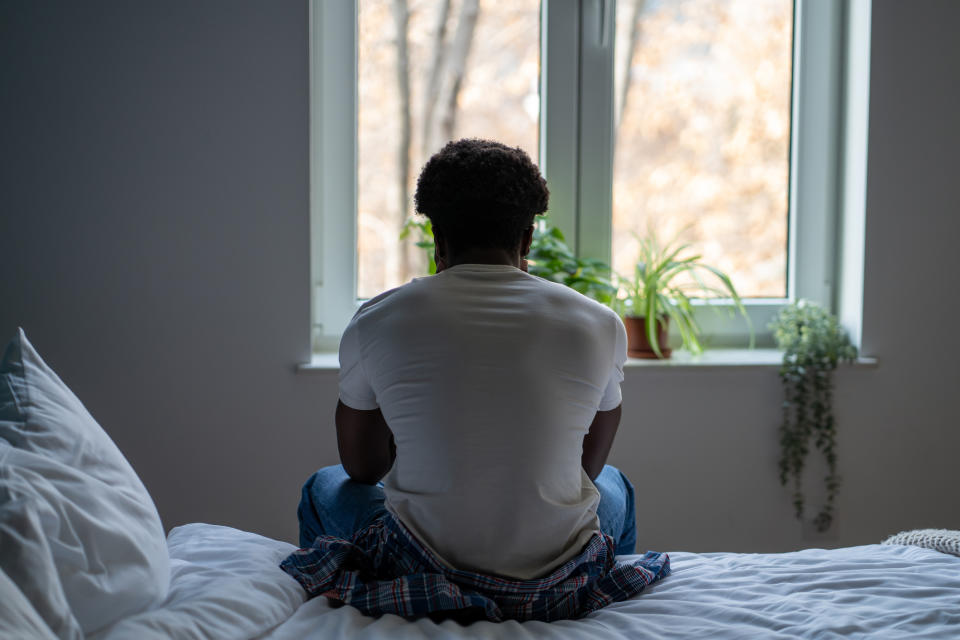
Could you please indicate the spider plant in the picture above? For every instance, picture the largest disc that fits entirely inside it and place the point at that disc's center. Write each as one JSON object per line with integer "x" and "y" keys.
{"x": 665, "y": 281}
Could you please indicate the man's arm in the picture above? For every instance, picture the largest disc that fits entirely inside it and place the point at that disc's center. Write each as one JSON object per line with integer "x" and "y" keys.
{"x": 599, "y": 440}
{"x": 365, "y": 442}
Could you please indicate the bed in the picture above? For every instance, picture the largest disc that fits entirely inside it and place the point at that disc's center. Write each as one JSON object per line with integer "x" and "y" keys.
{"x": 224, "y": 584}
{"x": 76, "y": 567}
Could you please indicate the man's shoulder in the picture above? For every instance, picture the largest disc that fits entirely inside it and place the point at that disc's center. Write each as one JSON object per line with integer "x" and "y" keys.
{"x": 567, "y": 296}
{"x": 393, "y": 302}
{"x": 421, "y": 293}
{"x": 378, "y": 300}
{"x": 390, "y": 297}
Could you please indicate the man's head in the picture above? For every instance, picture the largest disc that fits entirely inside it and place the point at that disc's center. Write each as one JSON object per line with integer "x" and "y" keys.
{"x": 481, "y": 195}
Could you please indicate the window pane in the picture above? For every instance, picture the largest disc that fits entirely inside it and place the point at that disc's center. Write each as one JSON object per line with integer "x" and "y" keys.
{"x": 460, "y": 68}
{"x": 703, "y": 133}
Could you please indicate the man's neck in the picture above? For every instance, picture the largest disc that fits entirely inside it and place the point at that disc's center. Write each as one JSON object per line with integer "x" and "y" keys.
{"x": 485, "y": 256}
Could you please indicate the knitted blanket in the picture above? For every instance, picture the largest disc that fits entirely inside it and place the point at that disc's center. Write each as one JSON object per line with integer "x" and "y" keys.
{"x": 943, "y": 540}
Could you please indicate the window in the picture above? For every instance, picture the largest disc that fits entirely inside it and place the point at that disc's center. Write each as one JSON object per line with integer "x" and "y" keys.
{"x": 425, "y": 69}
{"x": 702, "y": 134}
{"x": 594, "y": 90}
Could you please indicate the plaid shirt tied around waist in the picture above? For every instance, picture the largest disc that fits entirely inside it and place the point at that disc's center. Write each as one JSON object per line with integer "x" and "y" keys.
{"x": 385, "y": 569}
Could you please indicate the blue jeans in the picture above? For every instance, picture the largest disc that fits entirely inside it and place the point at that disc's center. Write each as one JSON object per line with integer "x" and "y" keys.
{"x": 332, "y": 504}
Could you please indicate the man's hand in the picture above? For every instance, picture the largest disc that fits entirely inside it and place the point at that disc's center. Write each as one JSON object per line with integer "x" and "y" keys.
{"x": 599, "y": 440}
{"x": 365, "y": 442}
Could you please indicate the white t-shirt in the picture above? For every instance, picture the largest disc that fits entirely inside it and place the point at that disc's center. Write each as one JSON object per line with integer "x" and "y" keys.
{"x": 489, "y": 378}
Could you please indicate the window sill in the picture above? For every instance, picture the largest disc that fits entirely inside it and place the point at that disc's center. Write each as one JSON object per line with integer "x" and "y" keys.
{"x": 711, "y": 359}
{"x": 327, "y": 361}
{"x": 726, "y": 358}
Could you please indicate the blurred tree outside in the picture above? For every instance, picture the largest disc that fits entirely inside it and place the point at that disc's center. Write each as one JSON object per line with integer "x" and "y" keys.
{"x": 703, "y": 133}
{"x": 702, "y": 119}
{"x": 431, "y": 71}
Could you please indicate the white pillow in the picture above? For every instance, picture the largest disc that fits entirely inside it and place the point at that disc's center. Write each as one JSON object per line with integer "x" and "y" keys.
{"x": 28, "y": 563}
{"x": 18, "y": 619}
{"x": 60, "y": 471}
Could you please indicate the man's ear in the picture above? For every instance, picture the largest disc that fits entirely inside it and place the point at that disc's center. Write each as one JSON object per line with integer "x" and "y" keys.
{"x": 527, "y": 241}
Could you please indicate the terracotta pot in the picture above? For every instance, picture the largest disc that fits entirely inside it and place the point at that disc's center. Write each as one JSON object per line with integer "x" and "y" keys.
{"x": 637, "y": 344}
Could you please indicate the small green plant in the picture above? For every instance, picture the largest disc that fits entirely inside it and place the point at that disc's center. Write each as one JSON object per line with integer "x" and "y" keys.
{"x": 551, "y": 259}
{"x": 663, "y": 283}
{"x": 813, "y": 343}
{"x": 424, "y": 230}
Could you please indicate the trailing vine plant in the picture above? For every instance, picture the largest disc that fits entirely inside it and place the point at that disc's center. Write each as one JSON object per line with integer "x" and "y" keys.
{"x": 813, "y": 343}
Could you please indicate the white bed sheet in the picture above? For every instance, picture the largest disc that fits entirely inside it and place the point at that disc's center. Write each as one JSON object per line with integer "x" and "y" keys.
{"x": 224, "y": 584}
{"x": 869, "y": 591}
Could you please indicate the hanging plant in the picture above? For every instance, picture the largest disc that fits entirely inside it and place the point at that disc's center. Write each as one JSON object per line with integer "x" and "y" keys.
{"x": 813, "y": 343}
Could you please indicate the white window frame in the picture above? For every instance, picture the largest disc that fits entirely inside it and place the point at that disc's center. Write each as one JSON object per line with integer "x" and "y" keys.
{"x": 576, "y": 154}
{"x": 333, "y": 172}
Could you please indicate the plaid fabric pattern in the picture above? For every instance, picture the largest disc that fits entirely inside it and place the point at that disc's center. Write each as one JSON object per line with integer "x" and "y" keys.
{"x": 384, "y": 569}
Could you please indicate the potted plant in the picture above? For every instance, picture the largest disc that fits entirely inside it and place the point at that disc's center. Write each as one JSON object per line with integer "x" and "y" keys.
{"x": 552, "y": 259}
{"x": 813, "y": 343}
{"x": 664, "y": 281}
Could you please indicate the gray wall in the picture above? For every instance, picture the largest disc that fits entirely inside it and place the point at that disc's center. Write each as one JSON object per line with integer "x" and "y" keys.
{"x": 154, "y": 235}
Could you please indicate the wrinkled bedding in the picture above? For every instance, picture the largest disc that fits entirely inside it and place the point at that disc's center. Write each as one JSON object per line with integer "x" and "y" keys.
{"x": 226, "y": 584}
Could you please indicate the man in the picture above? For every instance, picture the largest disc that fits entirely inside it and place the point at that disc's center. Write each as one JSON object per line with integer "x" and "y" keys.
{"x": 487, "y": 401}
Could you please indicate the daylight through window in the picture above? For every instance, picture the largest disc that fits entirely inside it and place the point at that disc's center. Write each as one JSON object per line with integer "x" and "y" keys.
{"x": 430, "y": 71}
{"x": 685, "y": 117}
{"x": 702, "y": 131}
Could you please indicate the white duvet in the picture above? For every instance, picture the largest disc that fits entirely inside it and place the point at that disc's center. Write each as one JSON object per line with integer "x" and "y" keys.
{"x": 226, "y": 584}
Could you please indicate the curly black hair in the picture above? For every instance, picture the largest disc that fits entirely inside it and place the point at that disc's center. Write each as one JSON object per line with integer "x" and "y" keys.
{"x": 481, "y": 194}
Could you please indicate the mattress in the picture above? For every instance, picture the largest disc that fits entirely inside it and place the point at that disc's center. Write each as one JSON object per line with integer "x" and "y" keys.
{"x": 226, "y": 584}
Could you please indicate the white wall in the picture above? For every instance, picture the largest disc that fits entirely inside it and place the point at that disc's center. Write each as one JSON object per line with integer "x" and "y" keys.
{"x": 154, "y": 235}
